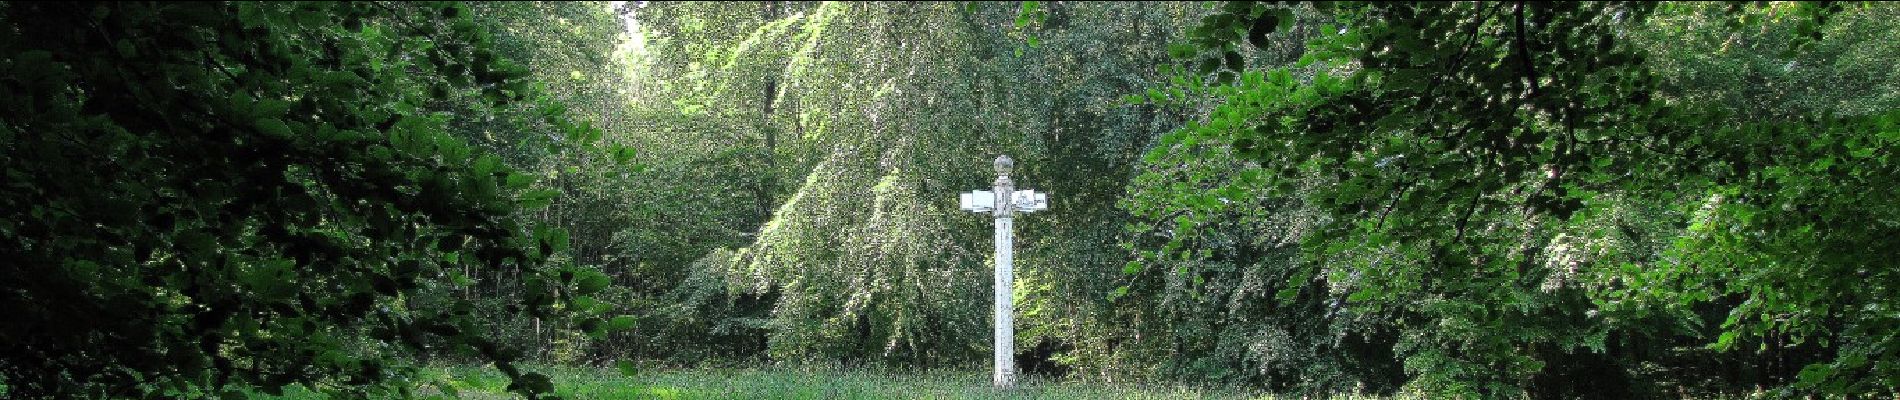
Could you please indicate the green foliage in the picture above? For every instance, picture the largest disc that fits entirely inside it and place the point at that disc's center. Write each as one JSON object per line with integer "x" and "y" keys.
{"x": 856, "y": 110}
{"x": 1454, "y": 154}
{"x": 1430, "y": 197}
{"x": 1463, "y": 200}
{"x": 207, "y": 197}
{"x": 582, "y": 164}
{"x": 1772, "y": 71}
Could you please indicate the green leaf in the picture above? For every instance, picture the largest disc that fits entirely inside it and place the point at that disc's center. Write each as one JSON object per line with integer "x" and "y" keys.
{"x": 1288, "y": 294}
{"x": 271, "y": 108}
{"x": 517, "y": 180}
{"x": 621, "y": 323}
{"x": 486, "y": 165}
{"x": 1027, "y": 13}
{"x": 591, "y": 281}
{"x": 1182, "y": 50}
{"x": 623, "y": 154}
{"x": 272, "y": 127}
{"x": 1814, "y": 374}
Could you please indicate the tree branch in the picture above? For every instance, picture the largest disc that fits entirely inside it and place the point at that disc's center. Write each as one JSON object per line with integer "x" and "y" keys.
{"x": 1470, "y": 208}
{"x": 1404, "y": 186}
{"x": 1524, "y": 51}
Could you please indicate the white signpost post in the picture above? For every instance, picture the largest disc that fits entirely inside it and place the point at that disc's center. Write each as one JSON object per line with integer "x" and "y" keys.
{"x": 1003, "y": 203}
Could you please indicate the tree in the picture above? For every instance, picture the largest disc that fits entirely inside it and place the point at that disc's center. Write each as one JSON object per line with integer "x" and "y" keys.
{"x": 569, "y": 50}
{"x": 877, "y": 114}
{"x": 1455, "y": 150}
{"x": 207, "y": 197}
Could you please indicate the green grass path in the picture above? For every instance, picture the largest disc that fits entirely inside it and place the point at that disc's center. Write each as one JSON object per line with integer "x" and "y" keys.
{"x": 796, "y": 383}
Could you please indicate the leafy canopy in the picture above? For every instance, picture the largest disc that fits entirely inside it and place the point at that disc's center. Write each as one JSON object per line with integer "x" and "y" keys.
{"x": 1453, "y": 147}
{"x": 206, "y": 197}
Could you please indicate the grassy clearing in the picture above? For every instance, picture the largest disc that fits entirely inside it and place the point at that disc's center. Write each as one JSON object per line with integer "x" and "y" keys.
{"x": 793, "y": 383}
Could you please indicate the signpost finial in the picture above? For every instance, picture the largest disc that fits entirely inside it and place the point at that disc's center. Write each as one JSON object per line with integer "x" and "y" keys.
{"x": 1004, "y": 164}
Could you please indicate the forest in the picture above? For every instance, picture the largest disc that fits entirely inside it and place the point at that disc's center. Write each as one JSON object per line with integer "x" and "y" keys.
{"x": 1457, "y": 200}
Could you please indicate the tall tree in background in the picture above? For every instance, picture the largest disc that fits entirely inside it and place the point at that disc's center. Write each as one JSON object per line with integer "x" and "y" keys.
{"x": 570, "y": 52}
{"x": 700, "y": 118}
{"x": 883, "y": 112}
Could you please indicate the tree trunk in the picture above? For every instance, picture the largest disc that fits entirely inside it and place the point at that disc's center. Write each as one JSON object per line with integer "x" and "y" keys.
{"x": 768, "y": 181}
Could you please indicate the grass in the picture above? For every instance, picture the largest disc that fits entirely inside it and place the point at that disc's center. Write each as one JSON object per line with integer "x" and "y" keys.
{"x": 798, "y": 383}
